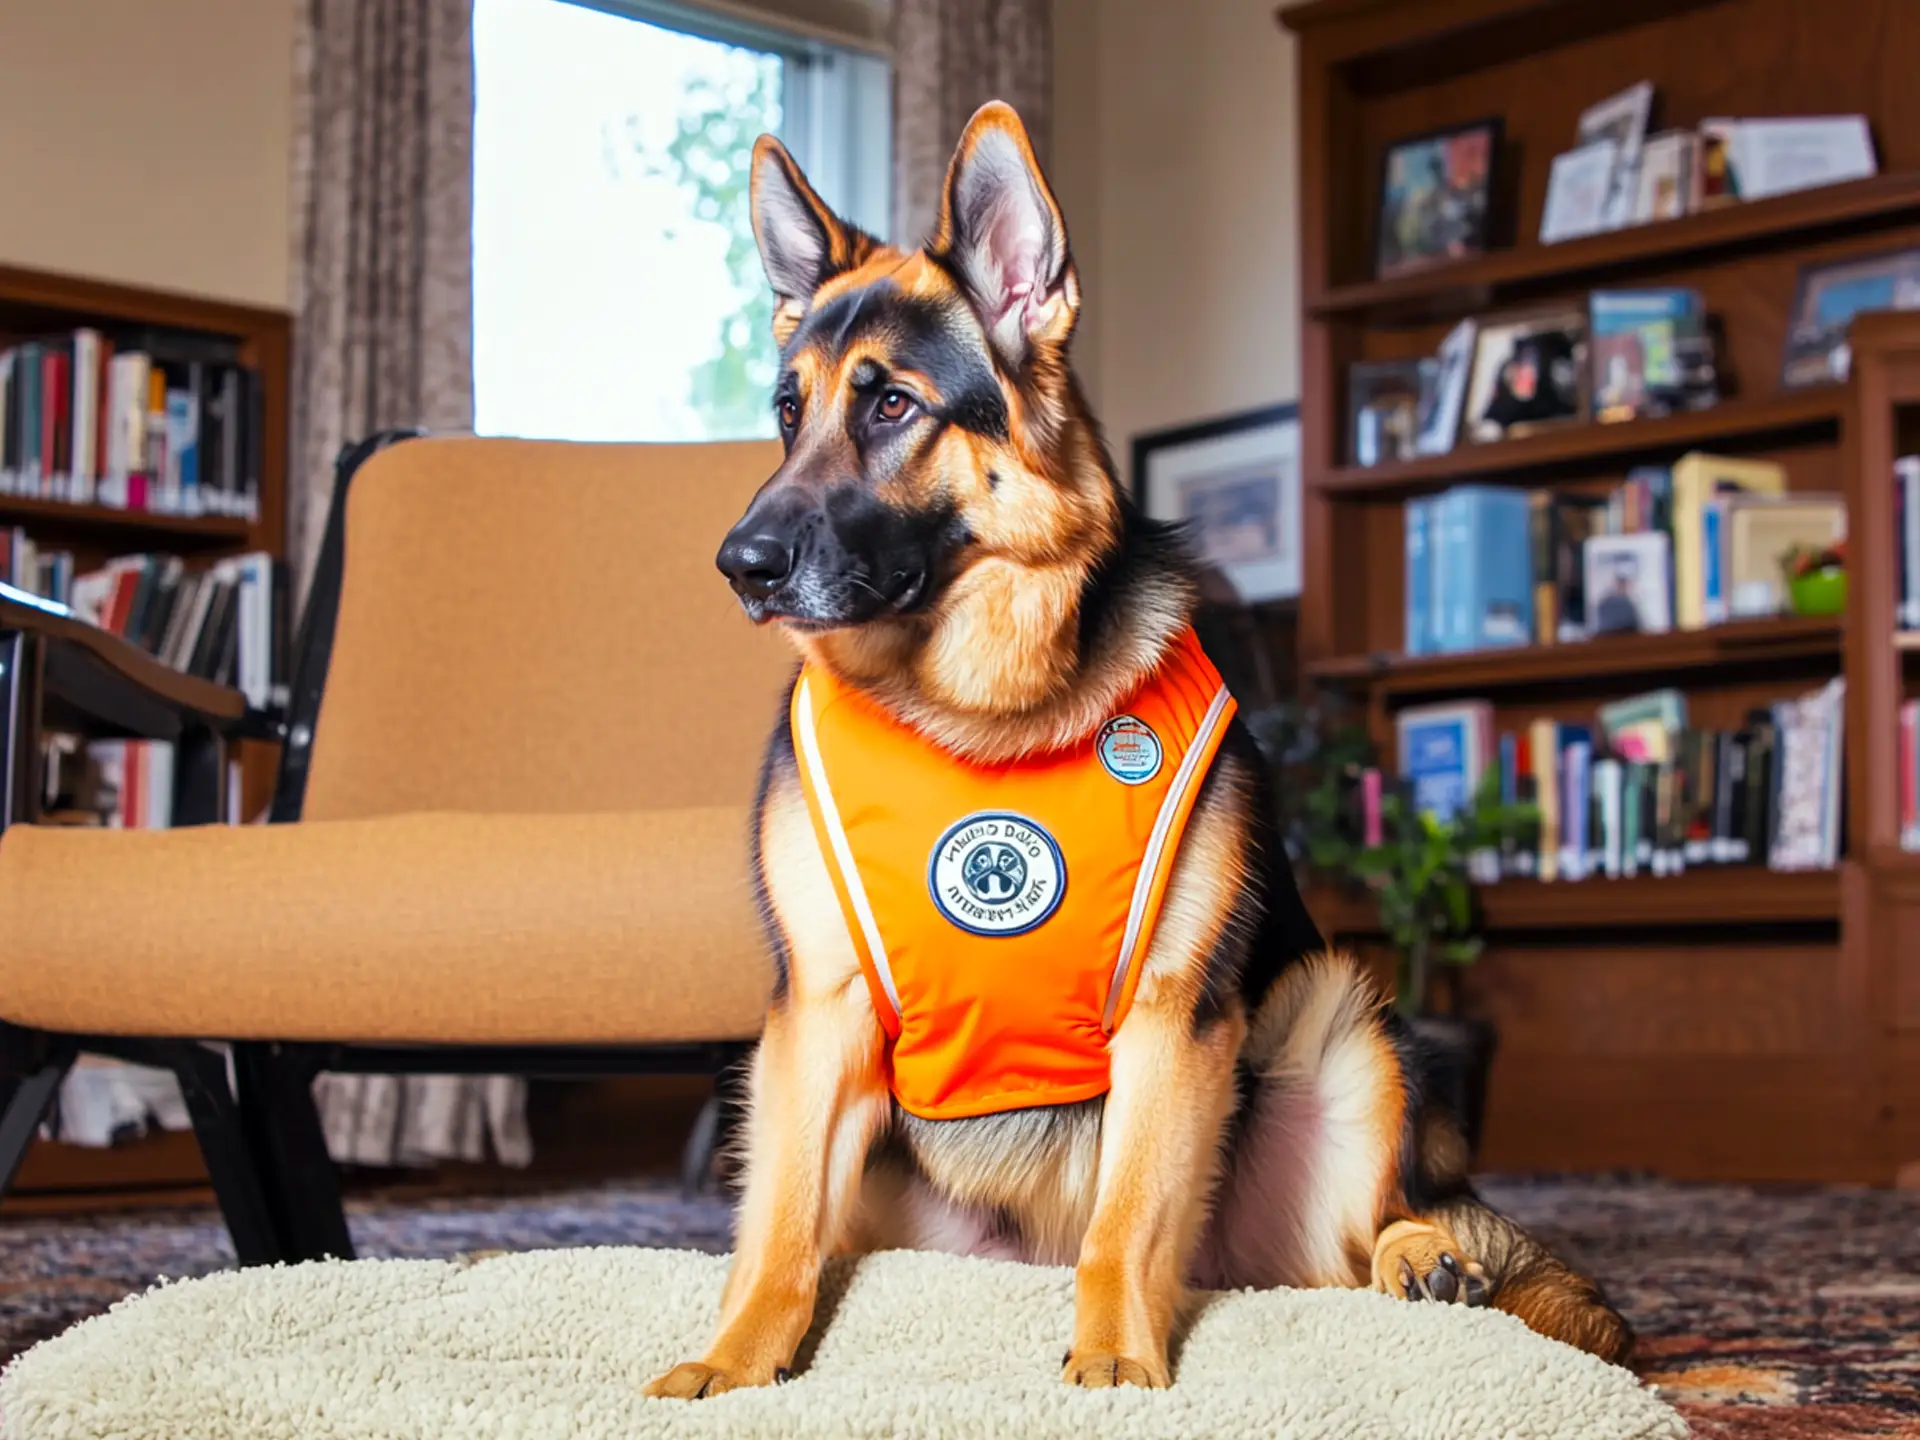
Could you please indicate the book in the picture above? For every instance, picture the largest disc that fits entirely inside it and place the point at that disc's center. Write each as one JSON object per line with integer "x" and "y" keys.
{"x": 1697, "y": 478}
{"x": 1906, "y": 472}
{"x": 1417, "y": 518}
{"x": 1642, "y": 727}
{"x": 1442, "y": 752}
{"x": 1483, "y": 578}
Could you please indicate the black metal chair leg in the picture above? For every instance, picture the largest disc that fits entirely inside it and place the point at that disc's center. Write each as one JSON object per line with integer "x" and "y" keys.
{"x": 283, "y": 1128}
{"x": 29, "y": 1080}
{"x": 240, "y": 1181}
{"x": 696, "y": 1161}
{"x": 715, "y": 1126}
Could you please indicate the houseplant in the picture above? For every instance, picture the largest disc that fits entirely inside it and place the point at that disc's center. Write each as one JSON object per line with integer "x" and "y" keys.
{"x": 1418, "y": 871}
{"x": 1816, "y": 578}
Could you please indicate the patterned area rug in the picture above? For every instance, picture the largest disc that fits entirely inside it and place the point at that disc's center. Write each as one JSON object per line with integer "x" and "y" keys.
{"x": 1775, "y": 1315}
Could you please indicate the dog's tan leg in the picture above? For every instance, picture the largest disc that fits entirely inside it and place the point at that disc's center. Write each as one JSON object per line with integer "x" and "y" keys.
{"x": 1159, "y": 1141}
{"x": 816, "y": 1099}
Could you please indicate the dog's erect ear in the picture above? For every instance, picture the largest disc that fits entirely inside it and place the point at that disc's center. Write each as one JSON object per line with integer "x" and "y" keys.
{"x": 803, "y": 244}
{"x": 1001, "y": 230}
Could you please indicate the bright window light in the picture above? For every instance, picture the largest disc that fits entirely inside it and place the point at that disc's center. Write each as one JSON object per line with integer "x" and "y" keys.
{"x": 617, "y": 291}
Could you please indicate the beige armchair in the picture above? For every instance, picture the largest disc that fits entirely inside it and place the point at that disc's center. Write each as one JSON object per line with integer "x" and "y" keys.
{"x": 510, "y": 826}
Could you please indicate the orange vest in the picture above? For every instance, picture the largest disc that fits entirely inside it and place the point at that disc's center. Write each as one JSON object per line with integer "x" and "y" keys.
{"x": 1001, "y": 912}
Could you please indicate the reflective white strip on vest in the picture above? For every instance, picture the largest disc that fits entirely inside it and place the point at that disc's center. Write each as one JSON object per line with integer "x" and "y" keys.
{"x": 842, "y": 851}
{"x": 1202, "y": 745}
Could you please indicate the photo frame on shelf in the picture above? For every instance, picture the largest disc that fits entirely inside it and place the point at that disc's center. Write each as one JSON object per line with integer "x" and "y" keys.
{"x": 1436, "y": 197}
{"x": 1578, "y": 188}
{"x": 1236, "y": 482}
{"x": 1827, "y": 297}
{"x": 1385, "y": 401}
{"x": 1440, "y": 424}
{"x": 1622, "y": 119}
{"x": 1669, "y": 174}
{"x": 1529, "y": 372}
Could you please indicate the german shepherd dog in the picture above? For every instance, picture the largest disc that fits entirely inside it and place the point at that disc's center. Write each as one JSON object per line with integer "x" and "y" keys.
{"x": 946, "y": 534}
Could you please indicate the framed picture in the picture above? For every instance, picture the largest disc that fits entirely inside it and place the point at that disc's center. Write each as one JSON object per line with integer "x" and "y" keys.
{"x": 1236, "y": 482}
{"x": 1578, "y": 191}
{"x": 1385, "y": 400}
{"x": 1528, "y": 371}
{"x": 1651, "y": 353}
{"x": 1627, "y": 587}
{"x": 1825, "y": 301}
{"x": 1440, "y": 423}
{"x": 1435, "y": 196}
{"x": 1622, "y": 119}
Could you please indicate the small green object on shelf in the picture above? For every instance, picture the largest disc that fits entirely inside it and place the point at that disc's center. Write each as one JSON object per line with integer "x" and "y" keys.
{"x": 1819, "y": 592}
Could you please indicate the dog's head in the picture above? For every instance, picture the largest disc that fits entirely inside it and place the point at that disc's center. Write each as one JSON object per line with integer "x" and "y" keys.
{"x": 925, "y": 403}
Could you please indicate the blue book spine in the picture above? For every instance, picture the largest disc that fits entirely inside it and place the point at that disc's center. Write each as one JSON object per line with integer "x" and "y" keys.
{"x": 1433, "y": 761}
{"x": 1713, "y": 603}
{"x": 1419, "y": 577}
{"x": 1509, "y": 768}
{"x": 1498, "y": 567}
{"x": 1453, "y": 571}
{"x": 31, "y": 466}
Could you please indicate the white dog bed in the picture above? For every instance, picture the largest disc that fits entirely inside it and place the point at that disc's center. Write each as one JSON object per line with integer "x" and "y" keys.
{"x": 558, "y": 1343}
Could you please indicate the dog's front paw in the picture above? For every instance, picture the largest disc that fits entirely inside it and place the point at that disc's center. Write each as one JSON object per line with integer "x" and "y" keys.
{"x": 697, "y": 1380}
{"x": 1102, "y": 1370}
{"x": 1413, "y": 1261}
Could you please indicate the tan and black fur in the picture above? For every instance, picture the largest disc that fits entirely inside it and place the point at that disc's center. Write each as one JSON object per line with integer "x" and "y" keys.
{"x": 946, "y": 532}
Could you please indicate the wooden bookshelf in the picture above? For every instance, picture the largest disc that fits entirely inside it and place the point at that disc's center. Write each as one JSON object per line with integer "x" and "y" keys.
{"x": 1735, "y": 1022}
{"x": 35, "y": 303}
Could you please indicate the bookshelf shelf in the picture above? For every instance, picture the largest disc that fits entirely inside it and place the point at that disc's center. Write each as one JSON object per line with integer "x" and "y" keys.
{"x": 1815, "y": 410}
{"x": 1471, "y": 285}
{"x": 55, "y": 517}
{"x": 1633, "y": 658}
{"x": 1725, "y": 895}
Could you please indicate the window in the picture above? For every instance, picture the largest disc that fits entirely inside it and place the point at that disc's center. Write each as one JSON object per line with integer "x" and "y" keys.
{"x": 617, "y": 294}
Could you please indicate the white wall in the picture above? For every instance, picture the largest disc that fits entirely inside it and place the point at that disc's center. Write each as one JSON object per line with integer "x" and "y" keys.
{"x": 1174, "y": 155}
{"x": 146, "y": 141}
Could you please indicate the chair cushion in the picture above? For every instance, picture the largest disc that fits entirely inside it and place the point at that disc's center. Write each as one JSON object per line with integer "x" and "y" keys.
{"x": 443, "y": 927}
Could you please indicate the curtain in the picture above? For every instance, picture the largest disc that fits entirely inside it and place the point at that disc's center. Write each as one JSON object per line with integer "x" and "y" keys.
{"x": 950, "y": 57}
{"x": 383, "y": 258}
{"x": 383, "y": 299}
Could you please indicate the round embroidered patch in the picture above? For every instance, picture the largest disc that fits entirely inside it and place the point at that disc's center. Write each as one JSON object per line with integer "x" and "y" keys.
{"x": 996, "y": 873}
{"x": 1129, "y": 750}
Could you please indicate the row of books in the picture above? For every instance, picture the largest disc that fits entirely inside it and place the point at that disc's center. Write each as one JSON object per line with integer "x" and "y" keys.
{"x": 1640, "y": 790}
{"x": 217, "y": 623}
{"x": 23, "y": 565}
{"x": 137, "y": 420}
{"x": 115, "y": 784}
{"x": 1686, "y": 547}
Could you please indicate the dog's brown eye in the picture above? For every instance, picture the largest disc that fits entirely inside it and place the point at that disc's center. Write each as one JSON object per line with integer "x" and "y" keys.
{"x": 894, "y": 405}
{"x": 789, "y": 413}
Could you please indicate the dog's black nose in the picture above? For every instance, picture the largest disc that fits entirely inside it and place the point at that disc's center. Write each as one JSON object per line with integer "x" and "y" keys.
{"x": 756, "y": 565}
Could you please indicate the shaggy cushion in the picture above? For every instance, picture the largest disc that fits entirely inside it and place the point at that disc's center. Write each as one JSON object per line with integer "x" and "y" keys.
{"x": 558, "y": 1343}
